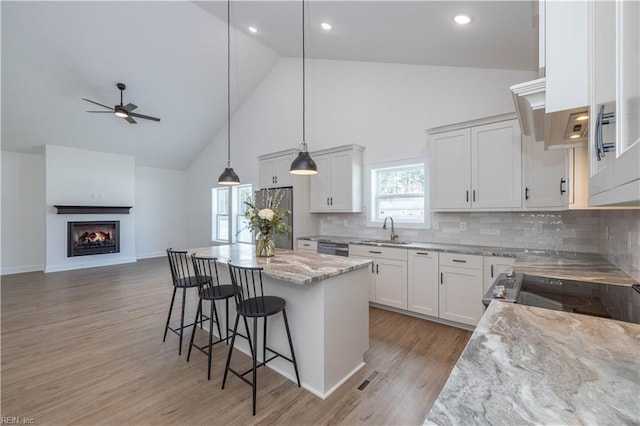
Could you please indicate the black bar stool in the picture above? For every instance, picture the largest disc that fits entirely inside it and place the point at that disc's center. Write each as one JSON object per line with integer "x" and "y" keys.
{"x": 252, "y": 303}
{"x": 209, "y": 288}
{"x": 183, "y": 277}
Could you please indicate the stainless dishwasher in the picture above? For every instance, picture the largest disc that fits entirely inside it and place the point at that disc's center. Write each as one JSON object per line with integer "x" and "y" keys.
{"x": 337, "y": 249}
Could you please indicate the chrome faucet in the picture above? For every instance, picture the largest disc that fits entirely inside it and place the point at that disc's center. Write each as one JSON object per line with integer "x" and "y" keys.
{"x": 384, "y": 226}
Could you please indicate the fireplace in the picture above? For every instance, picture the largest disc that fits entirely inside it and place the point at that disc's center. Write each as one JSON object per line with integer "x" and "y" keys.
{"x": 85, "y": 238}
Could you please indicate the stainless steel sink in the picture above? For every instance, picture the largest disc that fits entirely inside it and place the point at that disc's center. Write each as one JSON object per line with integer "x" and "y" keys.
{"x": 386, "y": 242}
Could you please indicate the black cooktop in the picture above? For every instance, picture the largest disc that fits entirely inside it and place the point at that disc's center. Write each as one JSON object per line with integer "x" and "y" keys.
{"x": 582, "y": 297}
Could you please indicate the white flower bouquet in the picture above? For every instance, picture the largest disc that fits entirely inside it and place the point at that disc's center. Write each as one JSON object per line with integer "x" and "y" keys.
{"x": 269, "y": 219}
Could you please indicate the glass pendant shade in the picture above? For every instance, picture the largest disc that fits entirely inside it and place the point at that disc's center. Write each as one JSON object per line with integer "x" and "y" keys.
{"x": 228, "y": 176}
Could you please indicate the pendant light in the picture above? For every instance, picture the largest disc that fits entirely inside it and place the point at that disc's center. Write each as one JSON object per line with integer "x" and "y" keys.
{"x": 228, "y": 176}
{"x": 303, "y": 164}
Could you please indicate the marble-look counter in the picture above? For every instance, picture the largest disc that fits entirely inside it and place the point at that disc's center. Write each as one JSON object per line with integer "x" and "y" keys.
{"x": 297, "y": 267}
{"x": 526, "y": 365}
{"x": 551, "y": 264}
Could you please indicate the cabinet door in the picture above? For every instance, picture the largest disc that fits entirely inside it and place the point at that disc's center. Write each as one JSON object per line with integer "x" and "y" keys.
{"x": 628, "y": 75}
{"x": 460, "y": 295}
{"x": 603, "y": 89}
{"x": 496, "y": 165}
{"x": 422, "y": 282}
{"x": 494, "y": 266}
{"x": 450, "y": 165}
{"x": 391, "y": 283}
{"x": 546, "y": 176}
{"x": 282, "y": 167}
{"x": 320, "y": 184}
{"x": 341, "y": 190}
{"x": 372, "y": 277}
{"x": 267, "y": 173}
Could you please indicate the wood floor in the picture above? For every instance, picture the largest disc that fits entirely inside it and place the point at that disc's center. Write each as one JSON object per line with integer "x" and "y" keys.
{"x": 85, "y": 347}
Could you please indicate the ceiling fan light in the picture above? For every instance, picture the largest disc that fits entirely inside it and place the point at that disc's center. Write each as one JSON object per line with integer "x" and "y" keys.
{"x": 121, "y": 112}
{"x": 228, "y": 177}
{"x": 303, "y": 165}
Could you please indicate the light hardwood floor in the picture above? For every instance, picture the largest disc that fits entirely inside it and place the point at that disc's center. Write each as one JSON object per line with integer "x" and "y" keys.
{"x": 85, "y": 347}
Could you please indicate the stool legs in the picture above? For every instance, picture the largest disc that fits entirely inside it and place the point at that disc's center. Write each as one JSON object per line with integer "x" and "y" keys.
{"x": 166, "y": 328}
{"x": 293, "y": 355}
{"x": 184, "y": 299}
{"x": 193, "y": 332}
{"x": 233, "y": 339}
{"x": 255, "y": 356}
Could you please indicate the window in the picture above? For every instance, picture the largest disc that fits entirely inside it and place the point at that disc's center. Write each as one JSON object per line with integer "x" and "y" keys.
{"x": 244, "y": 193}
{"x": 220, "y": 214}
{"x": 229, "y": 202}
{"x": 399, "y": 190}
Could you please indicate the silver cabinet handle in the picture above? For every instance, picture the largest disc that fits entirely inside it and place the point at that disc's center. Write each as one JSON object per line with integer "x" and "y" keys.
{"x": 375, "y": 252}
{"x": 459, "y": 261}
{"x": 424, "y": 254}
{"x": 603, "y": 119}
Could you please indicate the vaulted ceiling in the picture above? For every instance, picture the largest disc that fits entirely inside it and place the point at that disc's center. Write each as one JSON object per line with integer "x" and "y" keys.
{"x": 172, "y": 57}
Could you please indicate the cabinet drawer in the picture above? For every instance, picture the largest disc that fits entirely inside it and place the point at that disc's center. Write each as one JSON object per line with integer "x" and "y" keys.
{"x": 467, "y": 261}
{"x": 308, "y": 245}
{"x": 374, "y": 252}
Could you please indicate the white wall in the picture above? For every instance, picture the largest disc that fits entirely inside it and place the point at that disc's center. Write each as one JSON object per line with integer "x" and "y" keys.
{"x": 384, "y": 107}
{"x": 80, "y": 177}
{"x": 23, "y": 212}
{"x": 161, "y": 206}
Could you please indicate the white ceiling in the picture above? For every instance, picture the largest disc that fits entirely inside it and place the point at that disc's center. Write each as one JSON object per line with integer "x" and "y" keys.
{"x": 502, "y": 34}
{"x": 172, "y": 56}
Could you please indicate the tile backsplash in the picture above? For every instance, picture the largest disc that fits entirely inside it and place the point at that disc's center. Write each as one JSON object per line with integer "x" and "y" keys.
{"x": 578, "y": 231}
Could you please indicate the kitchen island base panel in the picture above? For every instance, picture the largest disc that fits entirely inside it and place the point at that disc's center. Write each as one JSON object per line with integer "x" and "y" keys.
{"x": 329, "y": 322}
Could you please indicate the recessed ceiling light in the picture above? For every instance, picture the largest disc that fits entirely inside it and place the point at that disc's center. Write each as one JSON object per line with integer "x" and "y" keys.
{"x": 326, "y": 26}
{"x": 253, "y": 29}
{"x": 462, "y": 19}
{"x": 582, "y": 117}
{"x": 574, "y": 136}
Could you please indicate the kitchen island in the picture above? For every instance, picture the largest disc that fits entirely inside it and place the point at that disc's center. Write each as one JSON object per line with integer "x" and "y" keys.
{"x": 527, "y": 365}
{"x": 327, "y": 307}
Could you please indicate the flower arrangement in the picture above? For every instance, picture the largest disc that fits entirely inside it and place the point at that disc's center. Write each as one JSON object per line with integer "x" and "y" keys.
{"x": 267, "y": 220}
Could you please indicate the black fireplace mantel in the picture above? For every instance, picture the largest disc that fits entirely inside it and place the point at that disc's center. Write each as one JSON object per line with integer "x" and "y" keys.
{"x": 93, "y": 209}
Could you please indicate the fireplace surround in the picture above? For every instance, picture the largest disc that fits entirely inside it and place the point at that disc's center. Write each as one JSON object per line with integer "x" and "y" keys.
{"x": 93, "y": 237}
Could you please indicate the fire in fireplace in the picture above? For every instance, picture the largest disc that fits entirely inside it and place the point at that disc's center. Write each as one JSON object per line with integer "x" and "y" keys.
{"x": 85, "y": 238}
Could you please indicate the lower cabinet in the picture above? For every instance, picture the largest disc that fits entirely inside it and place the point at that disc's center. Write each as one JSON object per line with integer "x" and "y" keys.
{"x": 388, "y": 284}
{"x": 308, "y": 245}
{"x": 461, "y": 288}
{"x": 422, "y": 282}
{"x": 494, "y": 266}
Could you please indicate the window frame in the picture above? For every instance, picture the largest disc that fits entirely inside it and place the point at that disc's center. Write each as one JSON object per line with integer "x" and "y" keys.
{"x": 370, "y": 187}
{"x": 233, "y": 215}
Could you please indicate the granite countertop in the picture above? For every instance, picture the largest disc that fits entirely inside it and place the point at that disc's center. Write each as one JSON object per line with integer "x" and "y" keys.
{"x": 294, "y": 266}
{"x": 527, "y": 365}
{"x": 577, "y": 266}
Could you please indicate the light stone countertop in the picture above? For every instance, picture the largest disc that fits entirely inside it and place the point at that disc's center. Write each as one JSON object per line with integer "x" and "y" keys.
{"x": 527, "y": 365}
{"x": 297, "y": 267}
{"x": 577, "y": 266}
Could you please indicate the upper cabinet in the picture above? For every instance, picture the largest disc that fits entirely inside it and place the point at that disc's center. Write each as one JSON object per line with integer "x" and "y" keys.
{"x": 476, "y": 167}
{"x": 337, "y": 188}
{"x": 546, "y": 176}
{"x": 614, "y": 136}
{"x": 274, "y": 169}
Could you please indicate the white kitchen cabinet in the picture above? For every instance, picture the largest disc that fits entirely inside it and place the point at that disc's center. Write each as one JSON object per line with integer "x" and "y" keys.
{"x": 274, "y": 169}
{"x": 494, "y": 266}
{"x": 389, "y": 274}
{"x": 337, "y": 188}
{"x": 460, "y": 292}
{"x": 477, "y": 167}
{"x": 422, "y": 282}
{"x": 547, "y": 180}
{"x": 614, "y": 141}
{"x": 308, "y": 245}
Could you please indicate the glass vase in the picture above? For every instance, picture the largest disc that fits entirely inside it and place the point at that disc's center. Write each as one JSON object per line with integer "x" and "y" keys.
{"x": 265, "y": 247}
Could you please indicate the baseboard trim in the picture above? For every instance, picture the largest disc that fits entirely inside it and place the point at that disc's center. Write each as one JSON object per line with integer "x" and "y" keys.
{"x": 59, "y": 268}
{"x": 22, "y": 269}
{"x": 151, "y": 255}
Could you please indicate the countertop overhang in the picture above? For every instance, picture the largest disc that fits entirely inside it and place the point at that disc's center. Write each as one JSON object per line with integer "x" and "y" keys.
{"x": 297, "y": 267}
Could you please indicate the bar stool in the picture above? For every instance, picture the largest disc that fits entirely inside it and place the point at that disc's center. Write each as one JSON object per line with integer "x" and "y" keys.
{"x": 252, "y": 303}
{"x": 209, "y": 289}
{"x": 183, "y": 277}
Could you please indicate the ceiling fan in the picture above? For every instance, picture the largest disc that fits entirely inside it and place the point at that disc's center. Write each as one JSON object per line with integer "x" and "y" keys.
{"x": 123, "y": 111}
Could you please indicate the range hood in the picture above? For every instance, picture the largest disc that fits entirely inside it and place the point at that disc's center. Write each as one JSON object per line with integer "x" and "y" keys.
{"x": 559, "y": 129}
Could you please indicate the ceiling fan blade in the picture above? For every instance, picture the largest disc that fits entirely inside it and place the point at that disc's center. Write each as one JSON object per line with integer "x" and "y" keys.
{"x": 130, "y": 107}
{"x": 130, "y": 120}
{"x": 146, "y": 117}
{"x": 105, "y": 112}
{"x": 84, "y": 99}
